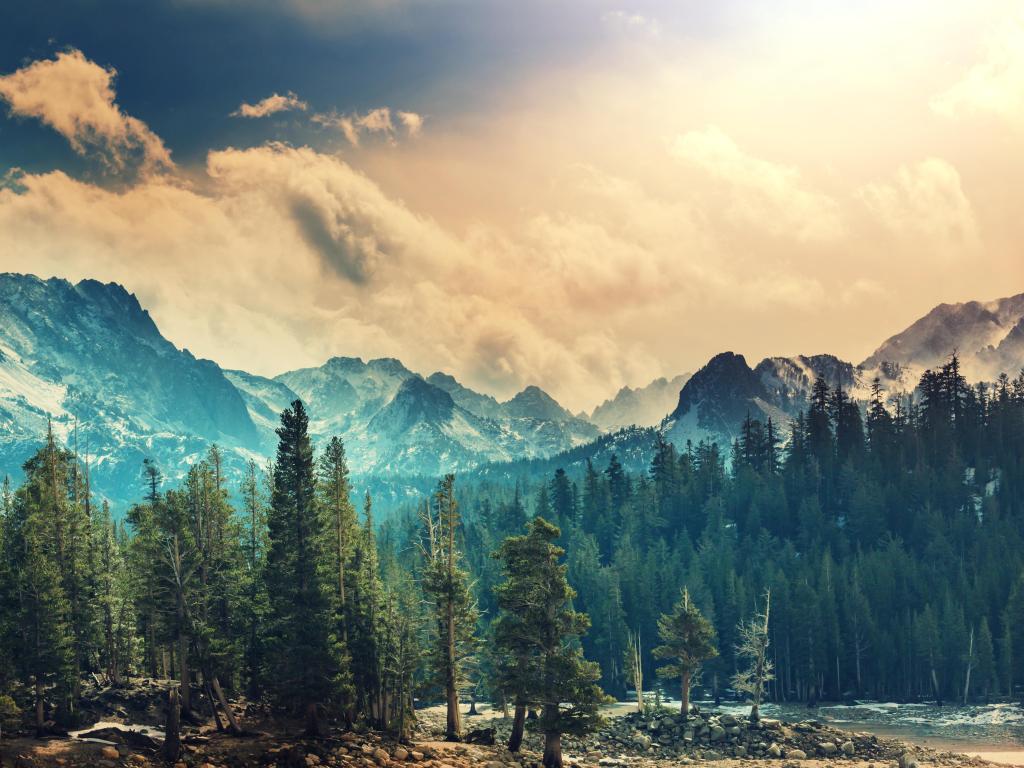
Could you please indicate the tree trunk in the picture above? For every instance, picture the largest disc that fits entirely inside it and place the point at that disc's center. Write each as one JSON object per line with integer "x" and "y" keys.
{"x": 219, "y": 692}
{"x": 186, "y": 680}
{"x": 40, "y": 709}
{"x": 970, "y": 662}
{"x": 453, "y": 732}
{"x": 172, "y": 739}
{"x": 515, "y": 740}
{"x": 213, "y": 702}
{"x": 313, "y": 729}
{"x": 684, "y": 704}
{"x": 552, "y": 750}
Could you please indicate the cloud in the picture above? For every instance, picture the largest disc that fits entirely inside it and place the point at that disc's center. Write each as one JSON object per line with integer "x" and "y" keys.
{"x": 995, "y": 85}
{"x": 772, "y": 196}
{"x": 412, "y": 122}
{"x": 926, "y": 204}
{"x": 376, "y": 122}
{"x": 363, "y": 275}
{"x": 271, "y": 105}
{"x": 75, "y": 97}
{"x": 631, "y": 23}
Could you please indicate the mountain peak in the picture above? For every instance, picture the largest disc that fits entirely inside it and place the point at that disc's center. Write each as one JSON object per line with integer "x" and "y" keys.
{"x": 415, "y": 401}
{"x": 717, "y": 398}
{"x": 533, "y": 402}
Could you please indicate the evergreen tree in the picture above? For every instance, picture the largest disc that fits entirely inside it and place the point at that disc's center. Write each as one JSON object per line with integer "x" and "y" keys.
{"x": 306, "y": 660}
{"x": 539, "y": 630}
{"x": 446, "y": 583}
{"x": 688, "y": 639}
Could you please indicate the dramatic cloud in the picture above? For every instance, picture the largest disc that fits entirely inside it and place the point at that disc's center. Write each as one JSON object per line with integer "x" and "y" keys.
{"x": 618, "y": 209}
{"x": 75, "y": 97}
{"x": 377, "y": 122}
{"x": 771, "y": 195}
{"x": 995, "y": 85}
{"x": 271, "y": 105}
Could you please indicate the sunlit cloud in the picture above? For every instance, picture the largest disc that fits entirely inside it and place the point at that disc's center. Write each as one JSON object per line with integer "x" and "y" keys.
{"x": 995, "y": 85}
{"x": 271, "y": 105}
{"x": 925, "y": 203}
{"x": 377, "y": 122}
{"x": 771, "y": 195}
{"x": 75, "y": 97}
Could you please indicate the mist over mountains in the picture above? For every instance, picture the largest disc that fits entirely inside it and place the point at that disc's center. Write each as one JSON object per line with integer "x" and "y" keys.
{"x": 88, "y": 359}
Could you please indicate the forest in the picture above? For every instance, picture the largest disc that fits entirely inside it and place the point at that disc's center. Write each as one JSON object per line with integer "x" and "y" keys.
{"x": 886, "y": 537}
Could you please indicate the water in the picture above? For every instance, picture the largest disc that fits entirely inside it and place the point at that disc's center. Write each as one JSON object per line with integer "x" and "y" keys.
{"x": 994, "y": 731}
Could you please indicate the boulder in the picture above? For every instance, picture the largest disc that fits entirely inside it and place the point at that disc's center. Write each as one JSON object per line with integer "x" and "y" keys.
{"x": 718, "y": 733}
{"x": 774, "y": 751}
{"x": 796, "y": 754}
{"x": 828, "y": 748}
{"x": 848, "y": 748}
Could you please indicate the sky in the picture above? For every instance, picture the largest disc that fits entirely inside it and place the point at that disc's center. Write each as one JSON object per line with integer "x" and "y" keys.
{"x": 581, "y": 195}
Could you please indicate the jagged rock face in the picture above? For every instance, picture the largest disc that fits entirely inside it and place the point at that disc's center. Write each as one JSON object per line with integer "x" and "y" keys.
{"x": 977, "y": 330}
{"x": 642, "y": 407}
{"x": 474, "y": 402}
{"x": 715, "y": 401}
{"x": 788, "y": 380}
{"x": 88, "y": 356}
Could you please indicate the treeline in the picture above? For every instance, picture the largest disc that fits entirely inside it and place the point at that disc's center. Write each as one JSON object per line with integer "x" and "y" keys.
{"x": 287, "y": 599}
{"x": 890, "y": 537}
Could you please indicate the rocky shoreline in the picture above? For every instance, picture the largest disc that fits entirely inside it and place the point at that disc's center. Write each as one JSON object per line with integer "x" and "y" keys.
{"x": 656, "y": 740}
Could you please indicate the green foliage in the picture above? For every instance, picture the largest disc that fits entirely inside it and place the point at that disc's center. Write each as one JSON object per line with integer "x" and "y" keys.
{"x": 305, "y": 662}
{"x": 537, "y": 635}
{"x": 446, "y": 584}
{"x": 687, "y": 638}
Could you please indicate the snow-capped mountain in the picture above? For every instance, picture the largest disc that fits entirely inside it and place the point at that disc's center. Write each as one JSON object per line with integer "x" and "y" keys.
{"x": 987, "y": 335}
{"x": 90, "y": 359}
{"x": 643, "y": 406}
{"x": 395, "y": 421}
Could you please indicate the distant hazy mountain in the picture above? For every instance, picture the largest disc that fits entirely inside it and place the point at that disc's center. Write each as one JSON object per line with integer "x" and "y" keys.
{"x": 988, "y": 336}
{"x": 643, "y": 406}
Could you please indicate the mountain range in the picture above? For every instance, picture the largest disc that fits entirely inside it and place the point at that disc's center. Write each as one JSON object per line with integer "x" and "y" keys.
{"x": 88, "y": 360}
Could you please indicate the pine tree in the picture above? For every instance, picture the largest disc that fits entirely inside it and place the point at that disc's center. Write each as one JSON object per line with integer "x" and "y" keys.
{"x": 539, "y": 631}
{"x": 985, "y": 659}
{"x": 446, "y": 583}
{"x": 115, "y": 600}
{"x": 689, "y": 640}
{"x": 364, "y": 612}
{"x": 306, "y": 661}
{"x": 255, "y": 601}
{"x": 340, "y": 520}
